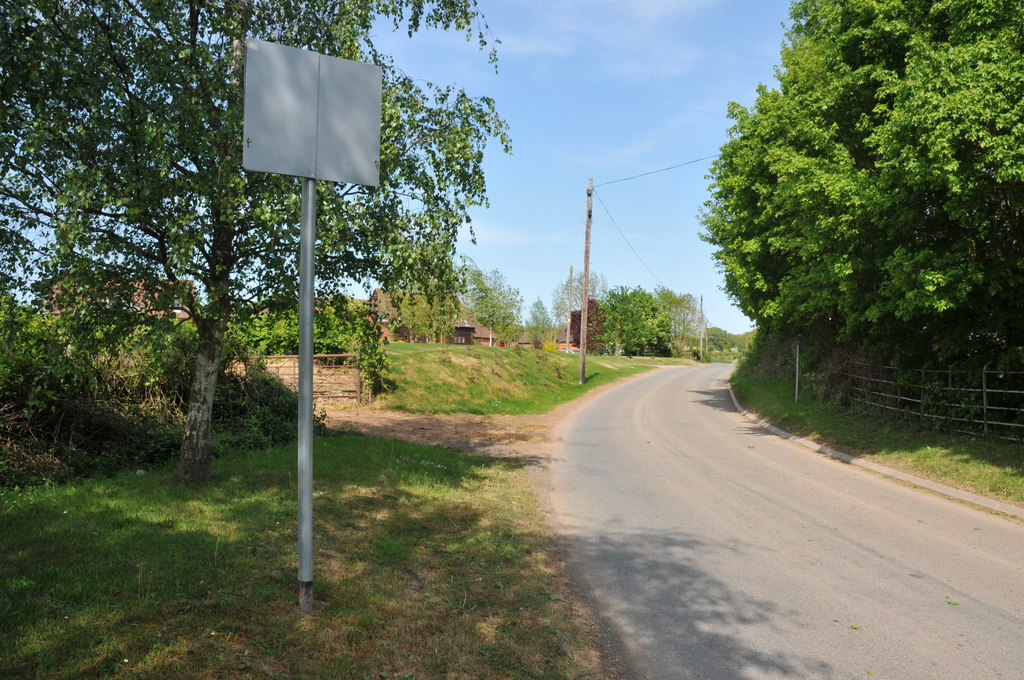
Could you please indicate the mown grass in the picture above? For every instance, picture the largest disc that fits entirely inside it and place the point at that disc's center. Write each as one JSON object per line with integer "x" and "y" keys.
{"x": 985, "y": 466}
{"x": 491, "y": 380}
{"x": 430, "y": 563}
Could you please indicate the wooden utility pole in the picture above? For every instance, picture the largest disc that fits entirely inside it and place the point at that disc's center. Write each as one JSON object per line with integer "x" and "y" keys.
{"x": 585, "y": 293}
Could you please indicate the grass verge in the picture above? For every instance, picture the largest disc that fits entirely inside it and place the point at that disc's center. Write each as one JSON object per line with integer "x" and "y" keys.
{"x": 430, "y": 563}
{"x": 984, "y": 466}
{"x": 497, "y": 380}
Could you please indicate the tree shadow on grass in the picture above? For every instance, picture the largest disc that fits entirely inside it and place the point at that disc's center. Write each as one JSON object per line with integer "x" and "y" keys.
{"x": 143, "y": 576}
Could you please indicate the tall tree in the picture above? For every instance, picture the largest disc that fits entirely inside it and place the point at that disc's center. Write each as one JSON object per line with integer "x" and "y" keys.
{"x": 539, "y": 325}
{"x": 684, "y": 312}
{"x": 560, "y": 296}
{"x": 877, "y": 195}
{"x": 121, "y": 138}
{"x": 635, "y": 323}
{"x": 492, "y": 301}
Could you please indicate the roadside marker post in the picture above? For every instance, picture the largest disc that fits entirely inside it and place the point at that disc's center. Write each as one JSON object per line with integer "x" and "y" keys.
{"x": 796, "y": 349}
{"x": 315, "y": 117}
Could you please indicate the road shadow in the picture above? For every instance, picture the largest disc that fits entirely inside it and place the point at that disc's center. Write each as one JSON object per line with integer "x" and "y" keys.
{"x": 720, "y": 399}
{"x": 717, "y": 397}
{"x": 683, "y": 621}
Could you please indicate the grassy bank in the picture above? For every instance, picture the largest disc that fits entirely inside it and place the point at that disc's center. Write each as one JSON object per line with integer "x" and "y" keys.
{"x": 430, "y": 564}
{"x": 989, "y": 467}
{"x": 486, "y": 380}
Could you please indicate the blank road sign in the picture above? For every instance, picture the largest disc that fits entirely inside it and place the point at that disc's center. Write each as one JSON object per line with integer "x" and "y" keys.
{"x": 310, "y": 115}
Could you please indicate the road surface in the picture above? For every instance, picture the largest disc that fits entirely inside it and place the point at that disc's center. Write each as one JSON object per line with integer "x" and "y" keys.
{"x": 717, "y": 550}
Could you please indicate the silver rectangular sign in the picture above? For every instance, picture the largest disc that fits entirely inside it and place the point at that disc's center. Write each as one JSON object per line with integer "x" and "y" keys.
{"x": 310, "y": 115}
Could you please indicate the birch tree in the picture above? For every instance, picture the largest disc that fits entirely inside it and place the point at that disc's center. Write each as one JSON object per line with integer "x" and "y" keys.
{"x": 120, "y": 141}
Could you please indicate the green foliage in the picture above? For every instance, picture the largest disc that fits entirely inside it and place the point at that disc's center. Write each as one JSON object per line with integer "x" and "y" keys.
{"x": 493, "y": 302}
{"x": 337, "y": 325}
{"x": 876, "y": 196}
{"x": 121, "y": 146}
{"x": 636, "y": 323}
{"x": 539, "y": 325}
{"x": 340, "y": 326}
{"x": 723, "y": 341}
{"x": 433, "y": 319}
{"x": 252, "y": 411}
{"x": 372, "y": 359}
{"x": 684, "y": 311}
{"x": 68, "y": 412}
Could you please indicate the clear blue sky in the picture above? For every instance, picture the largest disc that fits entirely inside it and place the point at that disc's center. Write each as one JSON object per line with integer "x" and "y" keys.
{"x": 606, "y": 89}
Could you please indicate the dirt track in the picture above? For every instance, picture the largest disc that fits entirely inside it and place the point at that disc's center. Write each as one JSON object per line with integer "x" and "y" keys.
{"x": 495, "y": 435}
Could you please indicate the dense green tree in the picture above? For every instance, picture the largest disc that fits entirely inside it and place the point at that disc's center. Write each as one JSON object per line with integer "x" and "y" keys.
{"x": 337, "y": 328}
{"x": 120, "y": 142}
{"x": 493, "y": 302}
{"x": 539, "y": 325}
{"x": 684, "y": 311}
{"x": 720, "y": 340}
{"x": 876, "y": 196}
{"x": 635, "y": 323}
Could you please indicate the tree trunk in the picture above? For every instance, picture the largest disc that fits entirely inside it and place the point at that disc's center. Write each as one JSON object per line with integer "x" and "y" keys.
{"x": 194, "y": 459}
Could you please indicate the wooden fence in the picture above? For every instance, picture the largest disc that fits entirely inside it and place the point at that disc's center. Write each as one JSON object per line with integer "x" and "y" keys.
{"x": 981, "y": 402}
{"x": 336, "y": 378}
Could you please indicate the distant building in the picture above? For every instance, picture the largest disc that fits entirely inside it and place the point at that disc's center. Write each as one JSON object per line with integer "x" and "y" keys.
{"x": 143, "y": 297}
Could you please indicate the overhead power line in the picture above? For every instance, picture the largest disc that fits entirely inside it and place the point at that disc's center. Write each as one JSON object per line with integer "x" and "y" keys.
{"x": 636, "y": 254}
{"x": 653, "y": 172}
{"x": 514, "y": 265}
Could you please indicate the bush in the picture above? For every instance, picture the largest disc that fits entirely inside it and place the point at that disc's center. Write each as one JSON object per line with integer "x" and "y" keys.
{"x": 69, "y": 411}
{"x": 340, "y": 326}
{"x": 252, "y": 409}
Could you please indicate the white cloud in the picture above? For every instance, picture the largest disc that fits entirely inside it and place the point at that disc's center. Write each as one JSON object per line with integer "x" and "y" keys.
{"x": 630, "y": 40}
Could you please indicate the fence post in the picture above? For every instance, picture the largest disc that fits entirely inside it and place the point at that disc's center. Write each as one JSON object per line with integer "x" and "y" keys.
{"x": 984, "y": 395}
{"x": 924, "y": 377}
{"x": 796, "y": 393}
{"x": 950, "y": 396}
{"x": 899, "y": 390}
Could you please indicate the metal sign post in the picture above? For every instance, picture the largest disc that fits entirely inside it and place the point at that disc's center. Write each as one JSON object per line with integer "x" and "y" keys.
{"x": 307, "y": 240}
{"x": 314, "y": 117}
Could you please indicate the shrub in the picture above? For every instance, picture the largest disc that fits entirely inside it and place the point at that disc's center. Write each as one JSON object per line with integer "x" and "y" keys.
{"x": 69, "y": 411}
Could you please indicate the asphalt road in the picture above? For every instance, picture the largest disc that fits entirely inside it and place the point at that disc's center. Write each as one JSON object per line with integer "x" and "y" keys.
{"x": 717, "y": 550}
